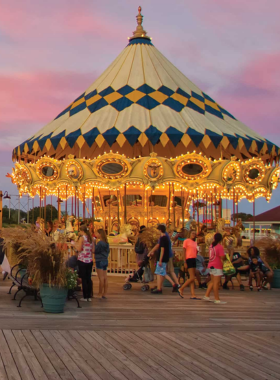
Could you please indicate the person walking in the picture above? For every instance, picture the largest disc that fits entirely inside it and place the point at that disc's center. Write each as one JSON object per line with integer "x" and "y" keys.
{"x": 170, "y": 273}
{"x": 216, "y": 258}
{"x": 85, "y": 250}
{"x": 101, "y": 252}
{"x": 163, "y": 258}
{"x": 190, "y": 253}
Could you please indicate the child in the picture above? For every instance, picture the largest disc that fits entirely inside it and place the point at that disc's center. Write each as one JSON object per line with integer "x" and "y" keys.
{"x": 255, "y": 272}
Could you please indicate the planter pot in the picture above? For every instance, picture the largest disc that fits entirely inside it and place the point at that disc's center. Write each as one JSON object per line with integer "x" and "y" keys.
{"x": 166, "y": 283}
{"x": 53, "y": 298}
{"x": 276, "y": 279}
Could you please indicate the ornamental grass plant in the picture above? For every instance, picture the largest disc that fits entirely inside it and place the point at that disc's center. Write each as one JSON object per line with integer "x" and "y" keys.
{"x": 270, "y": 245}
{"x": 43, "y": 258}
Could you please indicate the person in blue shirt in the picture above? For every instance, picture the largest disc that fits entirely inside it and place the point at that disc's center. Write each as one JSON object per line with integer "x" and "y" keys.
{"x": 170, "y": 276}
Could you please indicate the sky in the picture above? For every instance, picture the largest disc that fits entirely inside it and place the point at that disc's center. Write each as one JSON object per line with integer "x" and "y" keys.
{"x": 51, "y": 51}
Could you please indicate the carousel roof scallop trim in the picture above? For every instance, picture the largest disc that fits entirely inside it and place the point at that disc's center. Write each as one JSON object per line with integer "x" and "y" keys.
{"x": 144, "y": 98}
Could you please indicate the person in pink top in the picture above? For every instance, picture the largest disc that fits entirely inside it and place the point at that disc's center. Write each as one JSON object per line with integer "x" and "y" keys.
{"x": 190, "y": 252}
{"x": 216, "y": 258}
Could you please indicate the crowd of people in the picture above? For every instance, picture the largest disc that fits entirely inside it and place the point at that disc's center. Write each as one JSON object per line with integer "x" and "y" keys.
{"x": 94, "y": 244}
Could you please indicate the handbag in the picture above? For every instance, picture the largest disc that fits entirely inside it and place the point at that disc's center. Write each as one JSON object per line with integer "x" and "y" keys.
{"x": 228, "y": 268}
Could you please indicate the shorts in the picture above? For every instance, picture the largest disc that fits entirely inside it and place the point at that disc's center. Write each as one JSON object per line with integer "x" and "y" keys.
{"x": 216, "y": 272}
{"x": 161, "y": 270}
{"x": 170, "y": 266}
{"x": 205, "y": 273}
{"x": 102, "y": 264}
{"x": 191, "y": 263}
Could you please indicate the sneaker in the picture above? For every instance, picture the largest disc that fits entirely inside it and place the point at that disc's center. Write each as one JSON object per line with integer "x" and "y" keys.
{"x": 265, "y": 287}
{"x": 83, "y": 299}
{"x": 242, "y": 287}
{"x": 259, "y": 289}
{"x": 251, "y": 288}
{"x": 89, "y": 299}
{"x": 156, "y": 291}
{"x": 206, "y": 299}
{"x": 220, "y": 302}
{"x": 225, "y": 287}
{"x": 204, "y": 286}
{"x": 175, "y": 288}
{"x": 153, "y": 289}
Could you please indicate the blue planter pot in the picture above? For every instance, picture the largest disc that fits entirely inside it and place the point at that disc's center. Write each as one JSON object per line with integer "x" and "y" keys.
{"x": 276, "y": 279}
{"x": 53, "y": 298}
{"x": 166, "y": 283}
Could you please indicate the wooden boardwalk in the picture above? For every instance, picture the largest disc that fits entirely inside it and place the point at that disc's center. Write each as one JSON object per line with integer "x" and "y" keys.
{"x": 135, "y": 335}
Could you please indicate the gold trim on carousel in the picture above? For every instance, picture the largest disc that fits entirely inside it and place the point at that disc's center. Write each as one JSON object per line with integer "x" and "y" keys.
{"x": 258, "y": 166}
{"x": 156, "y": 169}
{"x": 197, "y": 160}
{"x": 79, "y": 166}
{"x": 231, "y": 172}
{"x": 41, "y": 164}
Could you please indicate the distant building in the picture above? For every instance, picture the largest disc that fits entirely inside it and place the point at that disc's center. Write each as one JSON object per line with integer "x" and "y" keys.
{"x": 265, "y": 224}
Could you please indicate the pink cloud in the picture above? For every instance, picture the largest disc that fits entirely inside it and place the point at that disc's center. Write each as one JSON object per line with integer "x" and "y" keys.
{"x": 34, "y": 22}
{"x": 39, "y": 96}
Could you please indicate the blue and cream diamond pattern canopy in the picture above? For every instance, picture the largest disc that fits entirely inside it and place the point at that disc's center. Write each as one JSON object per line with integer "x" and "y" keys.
{"x": 143, "y": 103}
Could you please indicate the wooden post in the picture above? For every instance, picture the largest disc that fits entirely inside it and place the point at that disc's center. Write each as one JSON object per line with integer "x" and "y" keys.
{"x": 66, "y": 193}
{"x": 183, "y": 208}
{"x": 254, "y": 220}
{"x": 84, "y": 205}
{"x": 169, "y": 203}
{"x": 58, "y": 206}
{"x": 197, "y": 211}
{"x": 125, "y": 204}
{"x": 118, "y": 196}
{"x": 109, "y": 225}
{"x": 92, "y": 206}
{"x": 1, "y": 209}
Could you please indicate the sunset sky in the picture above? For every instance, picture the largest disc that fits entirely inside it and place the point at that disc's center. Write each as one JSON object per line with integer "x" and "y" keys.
{"x": 51, "y": 51}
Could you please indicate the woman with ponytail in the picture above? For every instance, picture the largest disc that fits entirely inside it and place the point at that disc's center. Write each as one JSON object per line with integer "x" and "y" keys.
{"x": 85, "y": 250}
{"x": 216, "y": 258}
{"x": 101, "y": 253}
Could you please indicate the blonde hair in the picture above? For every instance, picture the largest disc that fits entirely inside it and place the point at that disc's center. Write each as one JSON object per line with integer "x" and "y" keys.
{"x": 86, "y": 231}
{"x": 102, "y": 235}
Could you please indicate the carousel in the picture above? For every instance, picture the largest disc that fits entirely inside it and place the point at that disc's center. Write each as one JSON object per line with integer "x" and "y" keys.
{"x": 144, "y": 145}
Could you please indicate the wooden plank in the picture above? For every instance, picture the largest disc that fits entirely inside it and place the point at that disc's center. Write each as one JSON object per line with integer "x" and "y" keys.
{"x": 208, "y": 368}
{"x": 240, "y": 356}
{"x": 126, "y": 372}
{"x": 246, "y": 351}
{"x": 30, "y": 358}
{"x": 52, "y": 356}
{"x": 23, "y": 368}
{"x": 120, "y": 356}
{"x": 157, "y": 356}
{"x": 67, "y": 360}
{"x": 256, "y": 343}
{"x": 41, "y": 356}
{"x": 100, "y": 356}
{"x": 3, "y": 374}
{"x": 87, "y": 370}
{"x": 252, "y": 349}
{"x": 228, "y": 358}
{"x": 182, "y": 362}
{"x": 90, "y": 359}
{"x": 267, "y": 341}
{"x": 157, "y": 371}
{"x": 125, "y": 350}
{"x": 8, "y": 361}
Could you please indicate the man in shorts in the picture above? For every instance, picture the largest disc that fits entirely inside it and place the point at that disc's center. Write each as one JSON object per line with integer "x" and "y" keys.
{"x": 170, "y": 274}
{"x": 163, "y": 258}
{"x": 190, "y": 252}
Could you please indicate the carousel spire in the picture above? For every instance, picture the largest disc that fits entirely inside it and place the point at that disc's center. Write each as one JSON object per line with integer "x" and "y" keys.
{"x": 139, "y": 32}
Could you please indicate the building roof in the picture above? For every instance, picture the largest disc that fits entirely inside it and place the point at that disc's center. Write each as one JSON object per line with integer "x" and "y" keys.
{"x": 140, "y": 104}
{"x": 272, "y": 215}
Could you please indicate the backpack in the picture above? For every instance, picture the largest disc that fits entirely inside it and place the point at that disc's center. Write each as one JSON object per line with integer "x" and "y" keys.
{"x": 139, "y": 247}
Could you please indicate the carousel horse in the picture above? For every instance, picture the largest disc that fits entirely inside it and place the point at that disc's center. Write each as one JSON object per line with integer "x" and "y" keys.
{"x": 125, "y": 233}
{"x": 70, "y": 234}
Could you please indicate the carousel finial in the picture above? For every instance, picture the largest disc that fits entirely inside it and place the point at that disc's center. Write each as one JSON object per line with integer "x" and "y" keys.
{"x": 139, "y": 32}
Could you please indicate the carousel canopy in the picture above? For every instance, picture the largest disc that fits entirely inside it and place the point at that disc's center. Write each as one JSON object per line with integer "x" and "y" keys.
{"x": 141, "y": 104}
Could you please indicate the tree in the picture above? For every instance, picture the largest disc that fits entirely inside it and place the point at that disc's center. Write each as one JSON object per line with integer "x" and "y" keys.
{"x": 13, "y": 213}
{"x": 241, "y": 215}
{"x": 51, "y": 213}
